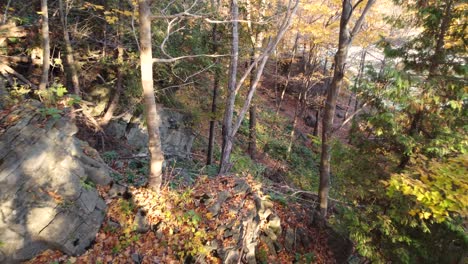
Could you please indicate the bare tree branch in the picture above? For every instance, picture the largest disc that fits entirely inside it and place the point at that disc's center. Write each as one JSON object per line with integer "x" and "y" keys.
{"x": 360, "y": 20}
{"x": 155, "y": 60}
{"x": 263, "y": 58}
{"x": 195, "y": 74}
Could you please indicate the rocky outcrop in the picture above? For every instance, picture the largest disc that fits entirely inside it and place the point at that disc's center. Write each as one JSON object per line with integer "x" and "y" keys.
{"x": 176, "y": 135}
{"x": 47, "y": 185}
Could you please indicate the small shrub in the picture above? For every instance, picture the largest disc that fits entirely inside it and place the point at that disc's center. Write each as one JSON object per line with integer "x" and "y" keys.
{"x": 109, "y": 156}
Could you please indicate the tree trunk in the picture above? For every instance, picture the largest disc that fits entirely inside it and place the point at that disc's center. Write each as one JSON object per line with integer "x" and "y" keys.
{"x": 316, "y": 126}
{"x": 293, "y": 131}
{"x": 118, "y": 89}
{"x": 230, "y": 129}
{"x": 288, "y": 77}
{"x": 257, "y": 41}
{"x": 253, "y": 131}
{"x": 152, "y": 116}
{"x": 345, "y": 39}
{"x": 357, "y": 83}
{"x": 276, "y": 78}
{"x": 211, "y": 138}
{"x": 45, "y": 46}
{"x": 73, "y": 73}
{"x": 228, "y": 113}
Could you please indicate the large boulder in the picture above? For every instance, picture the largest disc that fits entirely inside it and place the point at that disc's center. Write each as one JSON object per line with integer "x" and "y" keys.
{"x": 175, "y": 132}
{"x": 47, "y": 185}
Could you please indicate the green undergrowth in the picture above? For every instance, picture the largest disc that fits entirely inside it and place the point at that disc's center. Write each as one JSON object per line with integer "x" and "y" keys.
{"x": 301, "y": 164}
{"x": 380, "y": 220}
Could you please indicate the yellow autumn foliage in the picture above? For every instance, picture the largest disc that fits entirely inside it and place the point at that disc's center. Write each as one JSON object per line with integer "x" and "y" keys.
{"x": 438, "y": 188}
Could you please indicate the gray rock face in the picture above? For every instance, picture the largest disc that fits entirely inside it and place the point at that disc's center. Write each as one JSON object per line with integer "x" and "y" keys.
{"x": 176, "y": 137}
{"x": 47, "y": 178}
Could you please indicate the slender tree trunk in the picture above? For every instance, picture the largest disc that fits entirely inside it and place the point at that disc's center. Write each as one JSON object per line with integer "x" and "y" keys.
{"x": 118, "y": 90}
{"x": 252, "y": 148}
{"x": 211, "y": 138}
{"x": 69, "y": 50}
{"x": 257, "y": 41}
{"x": 293, "y": 131}
{"x": 283, "y": 92}
{"x": 357, "y": 83}
{"x": 45, "y": 46}
{"x": 276, "y": 78}
{"x": 316, "y": 126}
{"x": 436, "y": 59}
{"x": 225, "y": 165}
{"x": 345, "y": 39}
{"x": 350, "y": 99}
{"x": 5, "y": 15}
{"x": 230, "y": 129}
{"x": 152, "y": 116}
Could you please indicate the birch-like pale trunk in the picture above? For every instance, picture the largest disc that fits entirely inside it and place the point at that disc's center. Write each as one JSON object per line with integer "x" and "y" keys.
{"x": 152, "y": 116}
{"x": 257, "y": 43}
{"x": 225, "y": 165}
{"x": 230, "y": 128}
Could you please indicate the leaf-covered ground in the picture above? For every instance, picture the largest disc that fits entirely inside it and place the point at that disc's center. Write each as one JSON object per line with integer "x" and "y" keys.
{"x": 184, "y": 225}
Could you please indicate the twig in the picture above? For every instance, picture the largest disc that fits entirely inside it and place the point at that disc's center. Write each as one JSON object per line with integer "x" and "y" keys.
{"x": 5, "y": 15}
{"x": 189, "y": 56}
{"x": 5, "y": 70}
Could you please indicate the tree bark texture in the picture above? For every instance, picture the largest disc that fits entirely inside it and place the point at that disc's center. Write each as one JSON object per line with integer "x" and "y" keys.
{"x": 45, "y": 46}
{"x": 118, "y": 89}
{"x": 211, "y": 138}
{"x": 294, "y": 124}
{"x": 345, "y": 39}
{"x": 229, "y": 128}
{"x": 73, "y": 72}
{"x": 316, "y": 126}
{"x": 152, "y": 116}
{"x": 229, "y": 112}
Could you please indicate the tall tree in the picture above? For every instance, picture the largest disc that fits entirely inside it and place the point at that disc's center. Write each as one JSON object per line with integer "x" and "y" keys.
{"x": 211, "y": 137}
{"x": 230, "y": 128}
{"x": 152, "y": 116}
{"x": 45, "y": 46}
{"x": 229, "y": 113}
{"x": 256, "y": 36}
{"x": 68, "y": 48}
{"x": 346, "y": 37}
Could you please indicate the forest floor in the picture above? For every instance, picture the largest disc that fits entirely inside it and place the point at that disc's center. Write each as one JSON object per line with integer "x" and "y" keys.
{"x": 187, "y": 225}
